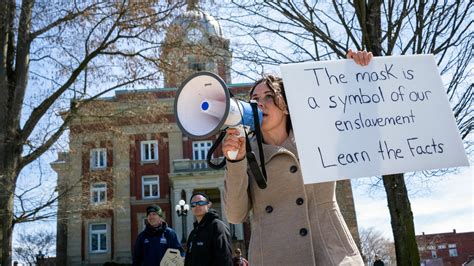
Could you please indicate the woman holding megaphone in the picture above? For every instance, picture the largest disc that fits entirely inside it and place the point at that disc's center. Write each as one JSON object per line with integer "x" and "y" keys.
{"x": 292, "y": 223}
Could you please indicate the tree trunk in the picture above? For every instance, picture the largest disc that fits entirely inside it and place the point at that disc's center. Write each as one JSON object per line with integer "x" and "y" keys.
{"x": 397, "y": 197}
{"x": 6, "y": 218}
{"x": 10, "y": 156}
{"x": 374, "y": 27}
{"x": 401, "y": 215}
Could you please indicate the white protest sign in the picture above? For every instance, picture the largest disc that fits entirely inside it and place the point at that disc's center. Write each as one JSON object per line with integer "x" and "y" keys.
{"x": 172, "y": 257}
{"x": 389, "y": 117}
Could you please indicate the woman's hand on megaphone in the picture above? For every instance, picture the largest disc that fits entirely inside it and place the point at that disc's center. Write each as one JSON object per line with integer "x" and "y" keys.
{"x": 234, "y": 141}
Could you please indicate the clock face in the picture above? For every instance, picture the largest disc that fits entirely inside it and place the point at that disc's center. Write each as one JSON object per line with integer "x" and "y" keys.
{"x": 194, "y": 35}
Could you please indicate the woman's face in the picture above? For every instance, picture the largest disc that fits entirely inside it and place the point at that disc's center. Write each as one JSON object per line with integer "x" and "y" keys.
{"x": 274, "y": 119}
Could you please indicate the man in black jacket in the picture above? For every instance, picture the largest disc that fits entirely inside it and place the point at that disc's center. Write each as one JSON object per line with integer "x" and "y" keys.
{"x": 152, "y": 243}
{"x": 209, "y": 242}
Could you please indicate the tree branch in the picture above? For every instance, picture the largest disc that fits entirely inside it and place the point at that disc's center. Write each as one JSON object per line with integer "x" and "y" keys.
{"x": 67, "y": 120}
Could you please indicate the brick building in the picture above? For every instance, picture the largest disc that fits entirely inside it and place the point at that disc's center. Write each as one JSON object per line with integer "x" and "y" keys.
{"x": 126, "y": 152}
{"x": 445, "y": 248}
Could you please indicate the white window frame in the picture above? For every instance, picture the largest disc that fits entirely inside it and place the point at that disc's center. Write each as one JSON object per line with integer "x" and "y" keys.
{"x": 99, "y": 233}
{"x": 145, "y": 149}
{"x": 200, "y": 147}
{"x": 200, "y": 150}
{"x": 98, "y": 188}
{"x": 95, "y": 155}
{"x": 453, "y": 251}
{"x": 156, "y": 181}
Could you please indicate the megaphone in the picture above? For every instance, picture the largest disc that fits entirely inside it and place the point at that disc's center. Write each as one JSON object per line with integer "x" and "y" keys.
{"x": 204, "y": 106}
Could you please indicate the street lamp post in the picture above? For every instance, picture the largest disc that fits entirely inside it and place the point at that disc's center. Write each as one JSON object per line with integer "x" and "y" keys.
{"x": 182, "y": 210}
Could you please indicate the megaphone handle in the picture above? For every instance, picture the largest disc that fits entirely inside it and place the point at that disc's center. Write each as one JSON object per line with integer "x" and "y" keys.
{"x": 233, "y": 154}
{"x": 213, "y": 149}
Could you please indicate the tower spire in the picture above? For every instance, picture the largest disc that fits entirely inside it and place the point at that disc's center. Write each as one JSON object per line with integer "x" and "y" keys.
{"x": 193, "y": 5}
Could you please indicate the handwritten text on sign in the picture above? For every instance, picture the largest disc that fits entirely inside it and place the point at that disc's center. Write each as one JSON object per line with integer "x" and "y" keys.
{"x": 389, "y": 117}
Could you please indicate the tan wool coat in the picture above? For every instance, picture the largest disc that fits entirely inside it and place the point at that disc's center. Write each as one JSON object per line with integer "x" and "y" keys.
{"x": 291, "y": 223}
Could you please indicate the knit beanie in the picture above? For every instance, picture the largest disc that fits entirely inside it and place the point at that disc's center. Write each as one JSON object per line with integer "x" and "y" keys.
{"x": 154, "y": 208}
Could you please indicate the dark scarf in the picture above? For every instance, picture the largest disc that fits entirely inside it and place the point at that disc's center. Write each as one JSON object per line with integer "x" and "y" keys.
{"x": 154, "y": 231}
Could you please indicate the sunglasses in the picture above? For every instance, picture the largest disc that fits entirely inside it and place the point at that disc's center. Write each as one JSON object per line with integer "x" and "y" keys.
{"x": 198, "y": 203}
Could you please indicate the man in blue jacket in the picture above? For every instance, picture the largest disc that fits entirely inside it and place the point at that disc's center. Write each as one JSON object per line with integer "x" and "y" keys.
{"x": 152, "y": 243}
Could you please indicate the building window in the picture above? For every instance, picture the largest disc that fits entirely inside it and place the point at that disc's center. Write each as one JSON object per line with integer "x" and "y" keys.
{"x": 98, "y": 193}
{"x": 453, "y": 251}
{"x": 196, "y": 66}
{"x": 433, "y": 254}
{"x": 98, "y": 238}
{"x": 442, "y": 246}
{"x": 150, "y": 187}
{"x": 149, "y": 150}
{"x": 200, "y": 149}
{"x": 98, "y": 158}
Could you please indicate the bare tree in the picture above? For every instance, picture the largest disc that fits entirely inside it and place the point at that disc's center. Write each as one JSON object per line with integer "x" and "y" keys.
{"x": 373, "y": 242}
{"x": 30, "y": 245}
{"x": 53, "y": 52}
{"x": 276, "y": 32}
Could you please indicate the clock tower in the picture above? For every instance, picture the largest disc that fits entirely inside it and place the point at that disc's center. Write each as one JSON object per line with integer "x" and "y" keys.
{"x": 194, "y": 42}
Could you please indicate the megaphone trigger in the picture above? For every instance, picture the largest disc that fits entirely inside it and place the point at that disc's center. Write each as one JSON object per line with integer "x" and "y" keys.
{"x": 233, "y": 154}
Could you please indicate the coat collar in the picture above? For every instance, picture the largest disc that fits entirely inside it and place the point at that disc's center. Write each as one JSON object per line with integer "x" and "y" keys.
{"x": 270, "y": 151}
{"x": 156, "y": 230}
{"x": 208, "y": 218}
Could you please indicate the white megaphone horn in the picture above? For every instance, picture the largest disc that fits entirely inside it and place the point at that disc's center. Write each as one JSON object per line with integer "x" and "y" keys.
{"x": 203, "y": 106}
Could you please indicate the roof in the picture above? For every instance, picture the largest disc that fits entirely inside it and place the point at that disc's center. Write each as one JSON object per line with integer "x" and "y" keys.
{"x": 199, "y": 18}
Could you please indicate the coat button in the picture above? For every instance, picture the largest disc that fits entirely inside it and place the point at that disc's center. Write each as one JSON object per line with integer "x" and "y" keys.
{"x": 293, "y": 169}
{"x": 269, "y": 209}
{"x": 299, "y": 201}
{"x": 303, "y": 232}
